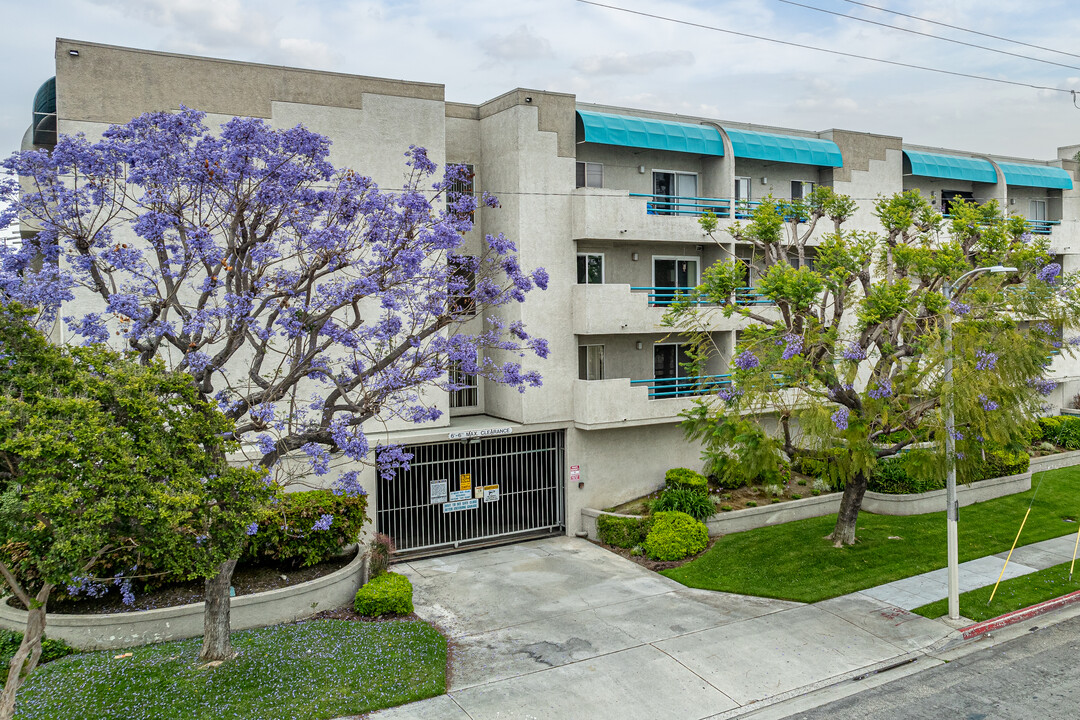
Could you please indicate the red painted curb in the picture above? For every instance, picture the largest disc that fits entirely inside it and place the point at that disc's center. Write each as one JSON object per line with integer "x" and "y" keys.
{"x": 1019, "y": 615}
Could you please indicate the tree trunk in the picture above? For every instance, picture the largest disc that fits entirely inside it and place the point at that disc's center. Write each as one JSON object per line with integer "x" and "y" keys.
{"x": 844, "y": 532}
{"x": 26, "y": 657}
{"x": 217, "y": 644}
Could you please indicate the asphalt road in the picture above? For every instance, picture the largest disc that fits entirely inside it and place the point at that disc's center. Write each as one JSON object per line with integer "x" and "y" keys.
{"x": 1034, "y": 677}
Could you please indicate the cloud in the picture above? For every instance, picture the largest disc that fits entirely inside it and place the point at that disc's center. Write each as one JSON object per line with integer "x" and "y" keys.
{"x": 520, "y": 44}
{"x": 622, "y": 63}
{"x": 307, "y": 53}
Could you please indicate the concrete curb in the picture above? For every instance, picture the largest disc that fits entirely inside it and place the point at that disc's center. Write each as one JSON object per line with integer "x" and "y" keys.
{"x": 111, "y": 631}
{"x": 973, "y": 631}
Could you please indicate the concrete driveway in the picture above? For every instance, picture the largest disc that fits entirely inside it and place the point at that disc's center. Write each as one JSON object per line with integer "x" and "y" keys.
{"x": 561, "y": 628}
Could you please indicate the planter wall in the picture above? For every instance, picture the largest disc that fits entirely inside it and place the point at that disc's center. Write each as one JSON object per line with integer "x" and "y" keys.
{"x": 120, "y": 630}
{"x": 877, "y": 503}
{"x": 1055, "y": 461}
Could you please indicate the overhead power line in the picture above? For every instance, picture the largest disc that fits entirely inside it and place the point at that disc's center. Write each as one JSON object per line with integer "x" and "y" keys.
{"x": 929, "y": 35}
{"x": 839, "y": 53}
{"x": 961, "y": 29}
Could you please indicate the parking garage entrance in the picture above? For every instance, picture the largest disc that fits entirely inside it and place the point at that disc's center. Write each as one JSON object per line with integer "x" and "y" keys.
{"x": 474, "y": 491}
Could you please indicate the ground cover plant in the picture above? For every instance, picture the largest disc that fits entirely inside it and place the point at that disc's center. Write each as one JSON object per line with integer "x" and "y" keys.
{"x": 313, "y": 670}
{"x": 787, "y": 561}
{"x": 1013, "y": 594}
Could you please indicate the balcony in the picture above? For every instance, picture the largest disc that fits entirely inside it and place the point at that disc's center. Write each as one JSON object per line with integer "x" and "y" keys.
{"x": 602, "y": 404}
{"x": 614, "y": 309}
{"x": 683, "y": 386}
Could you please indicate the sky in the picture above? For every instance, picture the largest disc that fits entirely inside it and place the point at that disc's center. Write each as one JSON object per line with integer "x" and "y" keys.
{"x": 481, "y": 48}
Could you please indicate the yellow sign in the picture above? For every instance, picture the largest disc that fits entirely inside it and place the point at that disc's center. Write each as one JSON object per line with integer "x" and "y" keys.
{"x": 466, "y": 481}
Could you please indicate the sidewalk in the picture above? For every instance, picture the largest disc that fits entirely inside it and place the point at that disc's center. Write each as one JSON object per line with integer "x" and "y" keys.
{"x": 919, "y": 590}
{"x": 561, "y": 628}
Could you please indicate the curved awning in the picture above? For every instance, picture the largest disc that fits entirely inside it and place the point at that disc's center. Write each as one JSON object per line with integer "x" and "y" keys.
{"x": 951, "y": 167}
{"x": 639, "y": 132}
{"x": 45, "y": 113}
{"x": 785, "y": 148}
{"x": 1040, "y": 176}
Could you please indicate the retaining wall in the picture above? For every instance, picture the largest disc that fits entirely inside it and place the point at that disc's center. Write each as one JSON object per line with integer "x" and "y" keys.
{"x": 878, "y": 503}
{"x": 141, "y": 627}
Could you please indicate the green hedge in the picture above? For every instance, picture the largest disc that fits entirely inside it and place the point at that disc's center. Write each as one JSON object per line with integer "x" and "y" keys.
{"x": 287, "y": 536}
{"x": 675, "y": 535}
{"x": 387, "y": 594}
{"x": 696, "y": 504}
{"x": 686, "y": 478}
{"x": 1062, "y": 430}
{"x": 623, "y": 532}
{"x": 9, "y": 645}
{"x": 899, "y": 475}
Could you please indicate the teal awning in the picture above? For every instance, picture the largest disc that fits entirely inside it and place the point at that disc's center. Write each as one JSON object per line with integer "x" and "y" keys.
{"x": 951, "y": 167}
{"x": 785, "y": 148}
{"x": 1040, "y": 176}
{"x": 639, "y": 132}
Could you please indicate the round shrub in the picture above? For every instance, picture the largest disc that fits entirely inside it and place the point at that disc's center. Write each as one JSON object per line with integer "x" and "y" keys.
{"x": 675, "y": 535}
{"x": 681, "y": 499}
{"x": 297, "y": 533}
{"x": 623, "y": 532}
{"x": 686, "y": 478}
{"x": 386, "y": 594}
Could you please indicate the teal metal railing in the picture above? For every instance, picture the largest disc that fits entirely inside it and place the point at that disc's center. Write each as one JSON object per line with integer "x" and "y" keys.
{"x": 696, "y": 206}
{"x": 683, "y": 386}
{"x": 660, "y": 296}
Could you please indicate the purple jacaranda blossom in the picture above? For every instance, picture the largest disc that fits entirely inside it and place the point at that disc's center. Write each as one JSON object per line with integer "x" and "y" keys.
{"x": 1044, "y": 327}
{"x": 882, "y": 390}
{"x": 854, "y": 351}
{"x": 959, "y": 308}
{"x": 988, "y": 405}
{"x": 252, "y": 528}
{"x": 1049, "y": 274}
{"x": 840, "y": 418}
{"x": 985, "y": 360}
{"x": 1042, "y": 385}
{"x": 746, "y": 360}
{"x": 793, "y": 346}
{"x": 324, "y": 522}
{"x": 728, "y": 393}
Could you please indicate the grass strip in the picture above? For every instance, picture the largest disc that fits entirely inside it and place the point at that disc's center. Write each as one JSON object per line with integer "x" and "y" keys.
{"x": 318, "y": 670}
{"x": 1015, "y": 594}
{"x": 793, "y": 561}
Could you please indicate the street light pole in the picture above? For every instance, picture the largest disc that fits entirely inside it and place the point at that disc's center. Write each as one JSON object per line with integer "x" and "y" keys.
{"x": 952, "y": 510}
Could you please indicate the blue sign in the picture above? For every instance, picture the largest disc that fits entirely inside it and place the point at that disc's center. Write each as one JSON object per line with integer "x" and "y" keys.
{"x": 460, "y": 505}
{"x": 458, "y": 495}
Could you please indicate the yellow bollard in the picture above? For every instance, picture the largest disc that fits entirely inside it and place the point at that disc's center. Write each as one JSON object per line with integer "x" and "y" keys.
{"x": 1011, "y": 551}
{"x": 1073, "y": 563}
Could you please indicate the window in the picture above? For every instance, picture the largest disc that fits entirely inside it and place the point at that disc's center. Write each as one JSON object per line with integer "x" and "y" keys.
{"x": 591, "y": 362}
{"x": 742, "y": 197}
{"x": 462, "y": 187}
{"x": 1037, "y": 211}
{"x": 801, "y": 190}
{"x": 669, "y": 370}
{"x": 948, "y": 197}
{"x": 672, "y": 274}
{"x": 590, "y": 269}
{"x": 590, "y": 174}
{"x": 468, "y": 388}
{"x": 674, "y": 193}
{"x": 462, "y": 285}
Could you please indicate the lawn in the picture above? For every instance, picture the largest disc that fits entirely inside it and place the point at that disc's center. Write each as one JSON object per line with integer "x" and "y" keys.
{"x": 1014, "y": 594}
{"x": 312, "y": 670}
{"x": 794, "y": 562}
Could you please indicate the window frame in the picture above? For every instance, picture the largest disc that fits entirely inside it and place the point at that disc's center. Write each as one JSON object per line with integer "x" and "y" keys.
{"x": 603, "y": 263}
{"x": 464, "y": 305}
{"x": 584, "y": 165}
{"x": 584, "y": 361}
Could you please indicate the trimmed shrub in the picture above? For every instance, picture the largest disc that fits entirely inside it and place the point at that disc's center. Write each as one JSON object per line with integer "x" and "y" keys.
{"x": 623, "y": 532}
{"x": 898, "y": 476}
{"x": 675, "y": 535}
{"x": 290, "y": 536}
{"x": 1062, "y": 430}
{"x": 686, "y": 478}
{"x": 9, "y": 645}
{"x": 387, "y": 594}
{"x": 382, "y": 549}
{"x": 895, "y": 477}
{"x": 1000, "y": 463}
{"x": 681, "y": 499}
{"x": 724, "y": 470}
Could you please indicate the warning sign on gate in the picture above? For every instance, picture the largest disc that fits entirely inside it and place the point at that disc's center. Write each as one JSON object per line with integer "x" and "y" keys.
{"x": 466, "y": 481}
{"x": 491, "y": 493}
{"x": 438, "y": 491}
{"x": 460, "y": 505}
{"x": 459, "y": 495}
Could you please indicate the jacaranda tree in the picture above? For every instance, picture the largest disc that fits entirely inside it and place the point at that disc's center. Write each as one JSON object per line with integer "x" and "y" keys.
{"x": 843, "y": 365}
{"x": 100, "y": 458}
{"x": 304, "y": 299}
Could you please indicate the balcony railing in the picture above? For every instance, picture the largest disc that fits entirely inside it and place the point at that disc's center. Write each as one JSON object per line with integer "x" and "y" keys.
{"x": 683, "y": 386}
{"x": 1036, "y": 227}
{"x": 697, "y": 206}
{"x": 661, "y": 296}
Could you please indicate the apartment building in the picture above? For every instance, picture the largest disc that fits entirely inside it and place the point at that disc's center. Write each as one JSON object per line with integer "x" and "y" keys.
{"x": 607, "y": 200}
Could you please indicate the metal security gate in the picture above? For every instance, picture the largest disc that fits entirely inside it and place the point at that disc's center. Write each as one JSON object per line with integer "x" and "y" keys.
{"x": 471, "y": 491}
